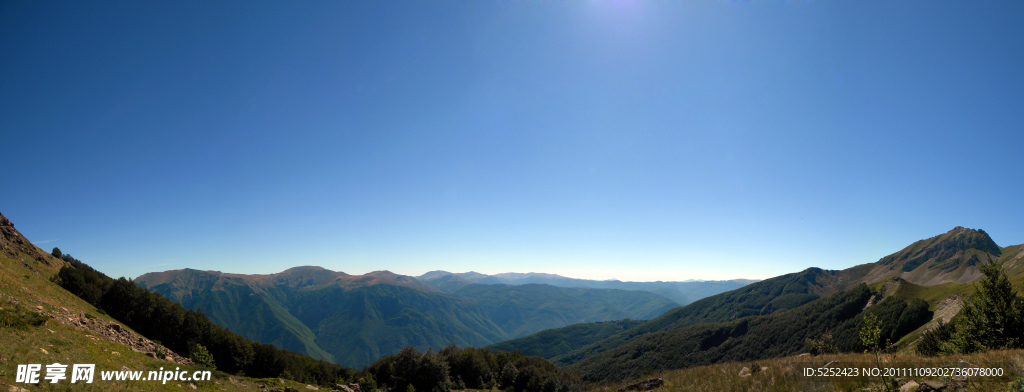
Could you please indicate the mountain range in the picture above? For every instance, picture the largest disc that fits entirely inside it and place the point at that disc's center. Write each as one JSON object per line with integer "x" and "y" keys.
{"x": 680, "y": 292}
{"x": 355, "y": 319}
{"x": 909, "y": 291}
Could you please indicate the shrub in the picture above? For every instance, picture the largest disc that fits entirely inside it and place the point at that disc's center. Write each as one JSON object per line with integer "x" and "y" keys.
{"x": 201, "y": 356}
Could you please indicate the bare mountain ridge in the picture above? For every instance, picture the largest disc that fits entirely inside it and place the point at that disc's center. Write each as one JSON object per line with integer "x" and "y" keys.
{"x": 949, "y": 257}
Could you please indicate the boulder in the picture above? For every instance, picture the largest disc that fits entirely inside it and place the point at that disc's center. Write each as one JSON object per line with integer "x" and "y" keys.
{"x": 926, "y": 386}
{"x": 644, "y": 385}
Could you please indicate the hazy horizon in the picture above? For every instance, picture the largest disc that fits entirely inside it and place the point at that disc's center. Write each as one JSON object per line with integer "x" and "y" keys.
{"x": 637, "y": 141}
{"x": 418, "y": 275}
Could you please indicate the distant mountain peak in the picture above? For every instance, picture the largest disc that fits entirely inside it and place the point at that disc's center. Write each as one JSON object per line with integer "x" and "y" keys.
{"x": 519, "y": 276}
{"x": 434, "y": 275}
{"x": 949, "y": 257}
{"x": 306, "y": 275}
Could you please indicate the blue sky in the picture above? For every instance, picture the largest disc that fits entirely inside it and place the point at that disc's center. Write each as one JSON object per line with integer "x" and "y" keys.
{"x": 648, "y": 140}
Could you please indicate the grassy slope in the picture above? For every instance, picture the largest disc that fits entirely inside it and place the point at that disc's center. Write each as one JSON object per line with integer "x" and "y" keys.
{"x": 785, "y": 374}
{"x": 70, "y": 345}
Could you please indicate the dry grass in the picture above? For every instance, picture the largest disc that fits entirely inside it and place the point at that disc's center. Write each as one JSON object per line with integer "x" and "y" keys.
{"x": 786, "y": 374}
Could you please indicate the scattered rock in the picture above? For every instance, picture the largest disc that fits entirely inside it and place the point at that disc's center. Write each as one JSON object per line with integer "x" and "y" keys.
{"x": 113, "y": 332}
{"x": 44, "y": 350}
{"x": 193, "y": 386}
{"x": 909, "y": 386}
{"x": 925, "y": 386}
{"x": 804, "y": 354}
{"x": 17, "y": 389}
{"x": 312, "y": 388}
{"x": 745, "y": 372}
{"x": 644, "y": 385}
{"x": 963, "y": 365}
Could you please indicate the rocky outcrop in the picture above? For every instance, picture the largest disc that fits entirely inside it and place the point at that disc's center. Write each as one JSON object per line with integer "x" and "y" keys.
{"x": 10, "y": 238}
{"x": 644, "y": 385}
{"x": 925, "y": 386}
{"x": 114, "y": 332}
{"x": 12, "y": 242}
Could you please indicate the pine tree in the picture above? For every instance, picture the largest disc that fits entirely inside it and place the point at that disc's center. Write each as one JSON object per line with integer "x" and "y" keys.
{"x": 992, "y": 319}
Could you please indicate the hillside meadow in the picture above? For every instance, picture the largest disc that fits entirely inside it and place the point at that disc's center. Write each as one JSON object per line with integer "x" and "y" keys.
{"x": 786, "y": 374}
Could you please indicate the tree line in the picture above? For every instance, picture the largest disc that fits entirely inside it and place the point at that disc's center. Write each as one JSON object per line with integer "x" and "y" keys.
{"x": 469, "y": 367}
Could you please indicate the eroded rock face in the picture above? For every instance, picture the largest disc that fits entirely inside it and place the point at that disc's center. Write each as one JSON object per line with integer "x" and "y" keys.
{"x": 644, "y": 385}
{"x": 10, "y": 238}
